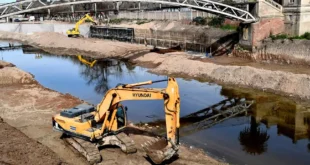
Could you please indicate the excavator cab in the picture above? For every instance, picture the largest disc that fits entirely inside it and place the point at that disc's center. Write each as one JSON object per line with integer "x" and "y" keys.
{"x": 121, "y": 117}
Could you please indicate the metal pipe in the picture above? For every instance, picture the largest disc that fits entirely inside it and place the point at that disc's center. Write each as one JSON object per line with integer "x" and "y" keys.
{"x": 157, "y": 81}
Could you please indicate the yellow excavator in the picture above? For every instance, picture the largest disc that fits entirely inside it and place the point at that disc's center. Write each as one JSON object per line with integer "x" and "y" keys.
{"x": 84, "y": 61}
{"x": 75, "y": 32}
{"x": 91, "y": 127}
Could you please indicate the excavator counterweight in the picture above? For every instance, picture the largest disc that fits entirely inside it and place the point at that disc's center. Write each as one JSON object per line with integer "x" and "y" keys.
{"x": 105, "y": 124}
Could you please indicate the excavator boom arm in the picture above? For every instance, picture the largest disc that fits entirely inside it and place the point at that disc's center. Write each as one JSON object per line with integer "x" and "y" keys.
{"x": 82, "y": 20}
{"x": 84, "y": 61}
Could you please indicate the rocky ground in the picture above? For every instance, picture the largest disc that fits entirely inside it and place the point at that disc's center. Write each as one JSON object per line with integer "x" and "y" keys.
{"x": 27, "y": 137}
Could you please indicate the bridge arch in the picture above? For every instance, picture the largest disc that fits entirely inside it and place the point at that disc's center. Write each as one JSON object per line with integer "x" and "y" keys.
{"x": 204, "y": 5}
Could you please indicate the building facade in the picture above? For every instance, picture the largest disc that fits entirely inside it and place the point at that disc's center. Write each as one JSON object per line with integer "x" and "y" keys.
{"x": 297, "y": 16}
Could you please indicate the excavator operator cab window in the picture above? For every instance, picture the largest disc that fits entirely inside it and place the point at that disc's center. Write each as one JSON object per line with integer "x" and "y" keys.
{"x": 121, "y": 117}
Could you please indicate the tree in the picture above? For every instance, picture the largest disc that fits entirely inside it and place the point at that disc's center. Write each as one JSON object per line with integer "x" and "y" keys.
{"x": 253, "y": 139}
{"x": 99, "y": 74}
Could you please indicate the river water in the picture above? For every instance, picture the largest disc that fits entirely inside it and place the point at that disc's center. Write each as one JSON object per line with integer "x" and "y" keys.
{"x": 276, "y": 130}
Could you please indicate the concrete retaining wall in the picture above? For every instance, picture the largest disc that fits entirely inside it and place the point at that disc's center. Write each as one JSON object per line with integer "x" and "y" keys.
{"x": 31, "y": 28}
{"x": 9, "y": 27}
{"x": 280, "y": 51}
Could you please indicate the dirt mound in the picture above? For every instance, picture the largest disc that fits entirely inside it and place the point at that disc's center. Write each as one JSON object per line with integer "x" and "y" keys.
{"x": 5, "y": 64}
{"x": 29, "y": 108}
{"x": 17, "y": 148}
{"x": 12, "y": 75}
{"x": 91, "y": 47}
{"x": 178, "y": 63}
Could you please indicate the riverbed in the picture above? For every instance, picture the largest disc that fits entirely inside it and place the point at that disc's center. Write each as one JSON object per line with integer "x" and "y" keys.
{"x": 276, "y": 131}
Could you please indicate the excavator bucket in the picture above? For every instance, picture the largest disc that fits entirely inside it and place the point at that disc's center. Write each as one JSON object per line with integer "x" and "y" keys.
{"x": 158, "y": 150}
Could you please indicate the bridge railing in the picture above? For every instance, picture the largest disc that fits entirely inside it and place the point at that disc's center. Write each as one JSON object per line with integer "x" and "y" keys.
{"x": 275, "y": 4}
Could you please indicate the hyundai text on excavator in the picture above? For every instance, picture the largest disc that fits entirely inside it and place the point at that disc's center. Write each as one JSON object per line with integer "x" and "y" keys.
{"x": 75, "y": 32}
{"x": 91, "y": 127}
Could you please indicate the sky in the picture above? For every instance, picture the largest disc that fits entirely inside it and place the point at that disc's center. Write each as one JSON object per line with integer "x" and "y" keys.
{"x": 6, "y": 1}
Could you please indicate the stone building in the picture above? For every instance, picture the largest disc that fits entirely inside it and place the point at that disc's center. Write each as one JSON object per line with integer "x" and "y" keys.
{"x": 296, "y": 16}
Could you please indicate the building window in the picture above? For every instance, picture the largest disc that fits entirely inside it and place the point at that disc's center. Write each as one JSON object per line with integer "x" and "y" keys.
{"x": 292, "y": 1}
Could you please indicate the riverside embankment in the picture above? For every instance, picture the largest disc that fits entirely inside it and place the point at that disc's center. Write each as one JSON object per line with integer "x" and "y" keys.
{"x": 286, "y": 83}
{"x": 27, "y": 137}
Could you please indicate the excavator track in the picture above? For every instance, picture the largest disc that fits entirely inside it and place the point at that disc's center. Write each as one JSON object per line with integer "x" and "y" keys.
{"x": 128, "y": 145}
{"x": 87, "y": 149}
{"x": 91, "y": 152}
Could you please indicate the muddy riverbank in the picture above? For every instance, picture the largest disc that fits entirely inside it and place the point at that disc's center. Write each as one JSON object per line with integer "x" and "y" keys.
{"x": 286, "y": 83}
{"x": 28, "y": 107}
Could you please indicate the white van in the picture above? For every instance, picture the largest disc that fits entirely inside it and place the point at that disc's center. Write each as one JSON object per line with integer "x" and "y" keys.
{"x": 31, "y": 18}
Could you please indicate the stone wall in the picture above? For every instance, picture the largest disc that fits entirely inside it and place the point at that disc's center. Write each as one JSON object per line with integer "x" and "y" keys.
{"x": 279, "y": 51}
{"x": 265, "y": 27}
{"x": 270, "y": 21}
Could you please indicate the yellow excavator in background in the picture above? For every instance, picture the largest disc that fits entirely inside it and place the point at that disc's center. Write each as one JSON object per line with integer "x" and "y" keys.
{"x": 84, "y": 61}
{"x": 89, "y": 127}
{"x": 75, "y": 32}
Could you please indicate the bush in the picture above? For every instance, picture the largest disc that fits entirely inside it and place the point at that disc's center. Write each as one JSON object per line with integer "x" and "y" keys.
{"x": 141, "y": 22}
{"x": 199, "y": 21}
{"x": 229, "y": 27}
{"x": 305, "y": 36}
{"x": 279, "y": 36}
{"x": 297, "y": 37}
{"x": 118, "y": 20}
{"x": 217, "y": 21}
